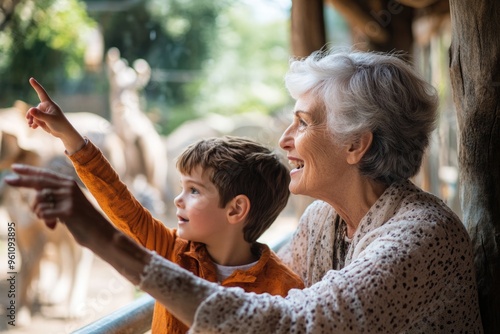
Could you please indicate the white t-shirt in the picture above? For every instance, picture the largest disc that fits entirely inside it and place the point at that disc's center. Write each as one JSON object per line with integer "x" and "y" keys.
{"x": 224, "y": 272}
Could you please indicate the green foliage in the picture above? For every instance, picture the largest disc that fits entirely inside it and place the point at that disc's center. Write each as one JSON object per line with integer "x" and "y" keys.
{"x": 246, "y": 74}
{"x": 175, "y": 37}
{"x": 206, "y": 56}
{"x": 44, "y": 39}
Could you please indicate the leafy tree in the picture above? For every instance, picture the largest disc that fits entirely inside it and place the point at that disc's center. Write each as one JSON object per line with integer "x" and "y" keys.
{"x": 42, "y": 38}
{"x": 206, "y": 56}
{"x": 246, "y": 72}
{"x": 175, "y": 37}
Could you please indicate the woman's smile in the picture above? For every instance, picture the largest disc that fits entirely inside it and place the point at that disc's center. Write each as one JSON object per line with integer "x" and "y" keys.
{"x": 296, "y": 164}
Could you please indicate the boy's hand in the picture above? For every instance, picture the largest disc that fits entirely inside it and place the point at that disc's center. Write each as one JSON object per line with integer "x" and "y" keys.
{"x": 49, "y": 116}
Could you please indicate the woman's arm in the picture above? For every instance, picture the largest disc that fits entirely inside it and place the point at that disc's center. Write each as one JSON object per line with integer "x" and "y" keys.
{"x": 186, "y": 296}
{"x": 59, "y": 199}
{"x": 331, "y": 304}
{"x": 116, "y": 200}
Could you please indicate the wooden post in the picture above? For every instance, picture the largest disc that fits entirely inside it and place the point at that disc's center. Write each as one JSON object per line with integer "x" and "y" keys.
{"x": 308, "y": 27}
{"x": 475, "y": 79}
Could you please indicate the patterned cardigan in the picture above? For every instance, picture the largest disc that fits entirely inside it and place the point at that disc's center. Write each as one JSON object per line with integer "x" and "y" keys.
{"x": 409, "y": 269}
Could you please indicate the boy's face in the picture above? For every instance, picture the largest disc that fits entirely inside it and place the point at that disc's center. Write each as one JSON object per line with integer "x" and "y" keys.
{"x": 199, "y": 216}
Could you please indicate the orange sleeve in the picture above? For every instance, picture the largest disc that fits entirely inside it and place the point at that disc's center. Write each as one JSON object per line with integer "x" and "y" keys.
{"x": 118, "y": 203}
{"x": 282, "y": 279}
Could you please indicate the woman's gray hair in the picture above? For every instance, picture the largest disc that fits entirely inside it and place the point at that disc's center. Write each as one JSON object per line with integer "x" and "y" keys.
{"x": 380, "y": 93}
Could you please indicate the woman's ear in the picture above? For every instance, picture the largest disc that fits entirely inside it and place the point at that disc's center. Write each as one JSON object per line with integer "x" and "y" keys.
{"x": 359, "y": 147}
{"x": 238, "y": 209}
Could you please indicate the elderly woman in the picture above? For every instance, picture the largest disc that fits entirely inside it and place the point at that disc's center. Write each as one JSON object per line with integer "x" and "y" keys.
{"x": 377, "y": 254}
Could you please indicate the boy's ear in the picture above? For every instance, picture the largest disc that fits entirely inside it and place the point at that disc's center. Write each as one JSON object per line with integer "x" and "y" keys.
{"x": 238, "y": 209}
{"x": 357, "y": 149}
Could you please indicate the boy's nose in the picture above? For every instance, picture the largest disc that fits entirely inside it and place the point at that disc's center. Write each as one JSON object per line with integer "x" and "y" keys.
{"x": 178, "y": 200}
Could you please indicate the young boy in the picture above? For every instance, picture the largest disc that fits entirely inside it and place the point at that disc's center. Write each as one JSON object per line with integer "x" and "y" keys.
{"x": 232, "y": 191}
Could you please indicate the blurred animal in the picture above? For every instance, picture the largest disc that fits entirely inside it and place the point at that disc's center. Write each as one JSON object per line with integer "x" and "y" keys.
{"x": 144, "y": 148}
{"x": 38, "y": 245}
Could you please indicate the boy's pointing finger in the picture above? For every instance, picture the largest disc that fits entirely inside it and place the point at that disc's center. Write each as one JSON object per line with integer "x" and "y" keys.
{"x": 42, "y": 94}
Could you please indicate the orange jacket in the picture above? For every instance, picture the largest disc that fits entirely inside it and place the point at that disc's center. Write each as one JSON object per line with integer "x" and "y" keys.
{"x": 268, "y": 275}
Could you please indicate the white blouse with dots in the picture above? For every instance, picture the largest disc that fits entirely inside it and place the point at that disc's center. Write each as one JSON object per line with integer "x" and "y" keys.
{"x": 408, "y": 269}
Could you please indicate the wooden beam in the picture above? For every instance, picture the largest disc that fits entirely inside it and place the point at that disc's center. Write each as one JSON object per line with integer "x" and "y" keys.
{"x": 379, "y": 25}
{"x": 360, "y": 20}
{"x": 418, "y": 3}
{"x": 308, "y": 27}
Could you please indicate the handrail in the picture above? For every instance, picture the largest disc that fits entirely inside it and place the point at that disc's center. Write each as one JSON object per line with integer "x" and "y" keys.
{"x": 135, "y": 318}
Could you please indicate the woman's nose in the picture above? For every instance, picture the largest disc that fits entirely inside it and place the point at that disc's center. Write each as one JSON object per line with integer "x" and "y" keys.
{"x": 286, "y": 140}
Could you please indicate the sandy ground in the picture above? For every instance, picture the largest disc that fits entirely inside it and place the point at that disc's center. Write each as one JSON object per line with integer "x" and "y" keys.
{"x": 108, "y": 291}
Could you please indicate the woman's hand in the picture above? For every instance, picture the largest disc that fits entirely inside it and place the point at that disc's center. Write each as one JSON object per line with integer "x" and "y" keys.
{"x": 59, "y": 199}
{"x": 49, "y": 116}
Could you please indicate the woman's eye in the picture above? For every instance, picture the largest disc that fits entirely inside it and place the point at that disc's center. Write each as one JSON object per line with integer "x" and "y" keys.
{"x": 302, "y": 123}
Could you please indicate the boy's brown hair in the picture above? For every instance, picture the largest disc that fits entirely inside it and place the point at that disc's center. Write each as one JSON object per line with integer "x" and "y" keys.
{"x": 240, "y": 166}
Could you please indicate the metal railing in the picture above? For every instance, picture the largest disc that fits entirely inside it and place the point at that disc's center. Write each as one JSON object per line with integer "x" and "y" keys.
{"x": 135, "y": 318}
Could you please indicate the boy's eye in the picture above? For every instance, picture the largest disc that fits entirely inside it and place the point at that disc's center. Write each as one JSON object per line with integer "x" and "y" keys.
{"x": 194, "y": 190}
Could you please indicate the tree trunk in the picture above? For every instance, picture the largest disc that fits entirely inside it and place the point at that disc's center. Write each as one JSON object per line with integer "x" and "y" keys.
{"x": 308, "y": 27}
{"x": 475, "y": 79}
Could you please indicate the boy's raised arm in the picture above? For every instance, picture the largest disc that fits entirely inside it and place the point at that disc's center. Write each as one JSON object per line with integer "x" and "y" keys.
{"x": 49, "y": 116}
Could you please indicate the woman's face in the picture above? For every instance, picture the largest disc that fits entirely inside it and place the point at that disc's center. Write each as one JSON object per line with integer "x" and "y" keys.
{"x": 317, "y": 161}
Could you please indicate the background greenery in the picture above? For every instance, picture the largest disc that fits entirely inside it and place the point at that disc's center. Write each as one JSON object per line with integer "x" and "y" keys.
{"x": 207, "y": 56}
